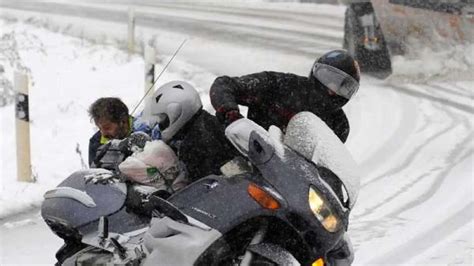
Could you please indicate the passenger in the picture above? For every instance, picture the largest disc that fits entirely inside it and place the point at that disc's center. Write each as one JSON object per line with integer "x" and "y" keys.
{"x": 273, "y": 98}
{"x": 196, "y": 136}
{"x": 111, "y": 116}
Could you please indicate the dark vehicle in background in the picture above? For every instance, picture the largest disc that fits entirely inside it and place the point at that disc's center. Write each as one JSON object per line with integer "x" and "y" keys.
{"x": 378, "y": 29}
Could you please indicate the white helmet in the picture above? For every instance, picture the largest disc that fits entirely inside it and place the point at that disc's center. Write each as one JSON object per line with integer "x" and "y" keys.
{"x": 172, "y": 105}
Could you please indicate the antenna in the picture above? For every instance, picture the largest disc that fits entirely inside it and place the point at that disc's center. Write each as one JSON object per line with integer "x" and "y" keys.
{"x": 161, "y": 73}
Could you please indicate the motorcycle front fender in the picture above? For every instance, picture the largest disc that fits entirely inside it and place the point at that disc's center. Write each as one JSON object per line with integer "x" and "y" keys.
{"x": 274, "y": 253}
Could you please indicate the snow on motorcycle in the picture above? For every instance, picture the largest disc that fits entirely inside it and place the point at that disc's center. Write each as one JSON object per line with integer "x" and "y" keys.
{"x": 286, "y": 201}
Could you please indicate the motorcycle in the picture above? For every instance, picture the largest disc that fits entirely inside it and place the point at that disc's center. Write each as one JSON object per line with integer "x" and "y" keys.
{"x": 286, "y": 201}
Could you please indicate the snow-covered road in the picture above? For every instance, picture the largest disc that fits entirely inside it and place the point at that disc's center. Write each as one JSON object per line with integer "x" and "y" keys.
{"x": 236, "y": 39}
{"x": 27, "y": 240}
{"x": 411, "y": 135}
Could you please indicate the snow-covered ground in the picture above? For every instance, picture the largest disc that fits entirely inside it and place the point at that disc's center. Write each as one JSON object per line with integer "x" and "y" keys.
{"x": 67, "y": 75}
{"x": 411, "y": 134}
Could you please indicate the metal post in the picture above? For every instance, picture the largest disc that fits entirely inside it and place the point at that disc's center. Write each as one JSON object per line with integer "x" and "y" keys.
{"x": 131, "y": 30}
{"x": 23, "y": 158}
{"x": 150, "y": 60}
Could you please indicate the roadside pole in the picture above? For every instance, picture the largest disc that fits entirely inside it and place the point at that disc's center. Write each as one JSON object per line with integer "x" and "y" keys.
{"x": 23, "y": 158}
{"x": 149, "y": 56}
{"x": 150, "y": 61}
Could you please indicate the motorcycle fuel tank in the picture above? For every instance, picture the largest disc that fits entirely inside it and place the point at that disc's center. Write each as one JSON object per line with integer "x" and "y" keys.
{"x": 74, "y": 202}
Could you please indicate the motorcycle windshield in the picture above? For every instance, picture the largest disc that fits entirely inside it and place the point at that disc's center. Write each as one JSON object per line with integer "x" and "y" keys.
{"x": 308, "y": 135}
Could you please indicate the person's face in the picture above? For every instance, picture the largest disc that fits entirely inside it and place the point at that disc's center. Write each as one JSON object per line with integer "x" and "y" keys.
{"x": 112, "y": 130}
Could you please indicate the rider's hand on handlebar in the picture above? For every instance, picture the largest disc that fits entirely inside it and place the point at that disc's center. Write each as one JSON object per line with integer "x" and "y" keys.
{"x": 226, "y": 114}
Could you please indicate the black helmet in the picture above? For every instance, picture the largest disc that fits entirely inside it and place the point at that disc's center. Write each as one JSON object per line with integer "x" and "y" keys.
{"x": 337, "y": 71}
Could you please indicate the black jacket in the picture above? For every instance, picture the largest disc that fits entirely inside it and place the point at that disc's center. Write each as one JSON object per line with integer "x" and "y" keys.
{"x": 202, "y": 146}
{"x": 94, "y": 144}
{"x": 273, "y": 98}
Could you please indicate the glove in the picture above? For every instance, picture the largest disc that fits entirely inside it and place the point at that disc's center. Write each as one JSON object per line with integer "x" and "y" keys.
{"x": 103, "y": 177}
{"x": 139, "y": 126}
{"x": 138, "y": 139}
{"x": 228, "y": 113}
{"x": 135, "y": 142}
{"x": 155, "y": 132}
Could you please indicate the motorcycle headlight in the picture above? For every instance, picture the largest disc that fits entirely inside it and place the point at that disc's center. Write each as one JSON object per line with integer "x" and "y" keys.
{"x": 323, "y": 212}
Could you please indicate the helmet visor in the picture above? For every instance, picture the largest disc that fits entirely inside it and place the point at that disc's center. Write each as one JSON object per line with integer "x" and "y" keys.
{"x": 336, "y": 80}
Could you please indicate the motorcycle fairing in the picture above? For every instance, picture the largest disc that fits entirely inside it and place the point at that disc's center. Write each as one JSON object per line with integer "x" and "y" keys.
{"x": 107, "y": 198}
{"x": 166, "y": 240}
{"x": 204, "y": 201}
{"x": 308, "y": 135}
{"x": 293, "y": 177}
{"x": 283, "y": 169}
{"x": 311, "y": 137}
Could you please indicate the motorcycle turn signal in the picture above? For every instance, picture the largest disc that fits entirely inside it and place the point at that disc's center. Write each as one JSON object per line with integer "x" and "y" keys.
{"x": 262, "y": 197}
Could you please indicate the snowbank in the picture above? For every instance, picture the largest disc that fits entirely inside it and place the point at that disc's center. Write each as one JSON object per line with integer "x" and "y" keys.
{"x": 67, "y": 74}
{"x": 455, "y": 62}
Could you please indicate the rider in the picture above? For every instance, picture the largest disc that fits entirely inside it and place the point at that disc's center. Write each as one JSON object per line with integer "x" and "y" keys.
{"x": 196, "y": 136}
{"x": 273, "y": 98}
